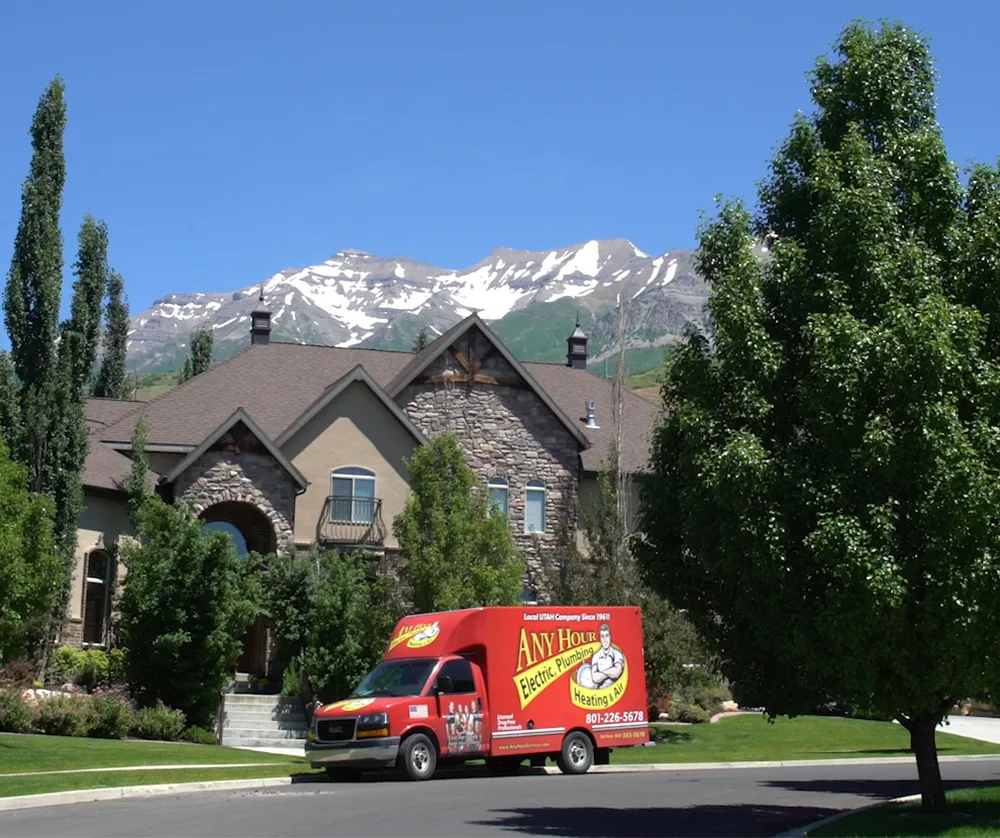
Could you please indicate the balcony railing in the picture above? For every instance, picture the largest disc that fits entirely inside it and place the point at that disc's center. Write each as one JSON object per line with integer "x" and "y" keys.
{"x": 351, "y": 520}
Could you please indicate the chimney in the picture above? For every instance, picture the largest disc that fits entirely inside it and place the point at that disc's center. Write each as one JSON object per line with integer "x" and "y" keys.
{"x": 576, "y": 354}
{"x": 591, "y": 415}
{"x": 260, "y": 323}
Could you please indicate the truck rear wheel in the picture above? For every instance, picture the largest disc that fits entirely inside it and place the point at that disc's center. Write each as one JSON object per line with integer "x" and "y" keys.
{"x": 577, "y": 754}
{"x": 417, "y": 757}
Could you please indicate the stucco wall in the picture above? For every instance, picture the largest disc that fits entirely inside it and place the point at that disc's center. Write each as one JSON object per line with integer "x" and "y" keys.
{"x": 589, "y": 488}
{"x": 356, "y": 429}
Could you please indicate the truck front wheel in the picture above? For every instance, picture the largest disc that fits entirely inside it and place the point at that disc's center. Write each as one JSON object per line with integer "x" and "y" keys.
{"x": 577, "y": 754}
{"x": 417, "y": 757}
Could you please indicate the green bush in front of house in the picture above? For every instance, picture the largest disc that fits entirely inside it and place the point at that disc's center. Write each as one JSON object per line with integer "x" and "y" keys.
{"x": 186, "y": 603}
{"x": 15, "y": 715}
{"x": 159, "y": 722}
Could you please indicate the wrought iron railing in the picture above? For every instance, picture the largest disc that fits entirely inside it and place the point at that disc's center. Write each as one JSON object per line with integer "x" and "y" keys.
{"x": 351, "y": 520}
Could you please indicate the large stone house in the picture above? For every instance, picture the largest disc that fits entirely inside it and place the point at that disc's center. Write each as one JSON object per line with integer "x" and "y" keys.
{"x": 288, "y": 444}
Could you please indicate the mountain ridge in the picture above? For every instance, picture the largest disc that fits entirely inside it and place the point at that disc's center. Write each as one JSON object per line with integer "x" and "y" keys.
{"x": 355, "y": 298}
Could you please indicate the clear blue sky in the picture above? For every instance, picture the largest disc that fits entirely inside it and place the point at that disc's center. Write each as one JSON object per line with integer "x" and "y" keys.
{"x": 223, "y": 142}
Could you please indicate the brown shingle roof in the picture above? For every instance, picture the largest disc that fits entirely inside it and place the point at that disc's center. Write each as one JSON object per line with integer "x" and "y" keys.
{"x": 275, "y": 383}
{"x": 102, "y": 412}
{"x": 572, "y": 389}
{"x": 107, "y": 469}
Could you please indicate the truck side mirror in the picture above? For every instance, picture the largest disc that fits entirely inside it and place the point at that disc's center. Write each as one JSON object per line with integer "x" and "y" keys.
{"x": 443, "y": 684}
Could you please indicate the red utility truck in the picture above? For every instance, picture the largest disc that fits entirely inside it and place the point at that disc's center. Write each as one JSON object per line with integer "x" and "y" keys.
{"x": 504, "y": 684}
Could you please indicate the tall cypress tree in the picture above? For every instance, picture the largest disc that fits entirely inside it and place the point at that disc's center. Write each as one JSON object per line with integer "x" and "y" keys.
{"x": 112, "y": 380}
{"x": 202, "y": 342}
{"x": 34, "y": 283}
{"x": 91, "y": 269}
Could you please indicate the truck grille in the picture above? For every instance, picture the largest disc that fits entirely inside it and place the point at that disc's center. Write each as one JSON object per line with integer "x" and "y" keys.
{"x": 335, "y": 730}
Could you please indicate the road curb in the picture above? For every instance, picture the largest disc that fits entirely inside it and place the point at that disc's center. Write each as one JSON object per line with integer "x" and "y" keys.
{"x": 810, "y": 763}
{"x": 803, "y": 831}
{"x": 33, "y": 801}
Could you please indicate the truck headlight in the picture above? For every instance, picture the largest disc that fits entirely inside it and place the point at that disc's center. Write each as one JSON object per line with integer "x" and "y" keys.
{"x": 374, "y": 724}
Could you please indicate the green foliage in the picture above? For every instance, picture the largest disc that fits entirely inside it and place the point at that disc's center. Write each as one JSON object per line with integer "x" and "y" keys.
{"x": 186, "y": 602}
{"x": 64, "y": 715}
{"x": 698, "y": 700}
{"x": 112, "y": 714}
{"x": 10, "y": 408}
{"x": 29, "y": 572}
{"x": 91, "y": 269}
{"x": 340, "y": 624}
{"x": 185, "y": 372}
{"x": 137, "y": 484}
{"x": 826, "y": 473}
{"x": 159, "y": 722}
{"x": 422, "y": 340}
{"x": 83, "y": 667}
{"x": 456, "y": 554}
{"x": 199, "y": 736}
{"x": 201, "y": 350}
{"x": 15, "y": 714}
{"x": 34, "y": 282}
{"x": 539, "y": 332}
{"x": 112, "y": 379}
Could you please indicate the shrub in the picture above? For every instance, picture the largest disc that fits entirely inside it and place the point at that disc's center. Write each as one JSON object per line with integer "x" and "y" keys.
{"x": 112, "y": 714}
{"x": 199, "y": 736}
{"x": 15, "y": 714}
{"x": 159, "y": 722}
{"x": 84, "y": 667}
{"x": 697, "y": 702}
{"x": 18, "y": 673}
{"x": 64, "y": 715}
{"x": 117, "y": 661}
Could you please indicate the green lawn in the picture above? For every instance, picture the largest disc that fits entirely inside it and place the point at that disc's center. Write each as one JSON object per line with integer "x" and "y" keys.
{"x": 25, "y": 752}
{"x": 974, "y": 812}
{"x": 42, "y": 784}
{"x": 751, "y": 738}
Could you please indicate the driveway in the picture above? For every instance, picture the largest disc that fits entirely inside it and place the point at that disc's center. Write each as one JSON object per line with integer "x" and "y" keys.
{"x": 749, "y": 801}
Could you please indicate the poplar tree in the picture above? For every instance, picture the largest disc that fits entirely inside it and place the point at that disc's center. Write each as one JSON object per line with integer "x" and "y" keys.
{"x": 202, "y": 342}
{"x": 112, "y": 379}
{"x": 34, "y": 284}
{"x": 91, "y": 269}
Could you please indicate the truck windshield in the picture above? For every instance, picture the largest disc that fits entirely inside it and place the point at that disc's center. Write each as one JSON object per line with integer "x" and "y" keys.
{"x": 404, "y": 677}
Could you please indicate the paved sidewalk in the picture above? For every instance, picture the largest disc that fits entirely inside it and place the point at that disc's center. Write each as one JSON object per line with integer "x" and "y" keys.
{"x": 984, "y": 728}
{"x": 285, "y": 752}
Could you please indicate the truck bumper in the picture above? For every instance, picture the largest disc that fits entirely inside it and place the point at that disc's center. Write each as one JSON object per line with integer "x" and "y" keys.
{"x": 375, "y": 753}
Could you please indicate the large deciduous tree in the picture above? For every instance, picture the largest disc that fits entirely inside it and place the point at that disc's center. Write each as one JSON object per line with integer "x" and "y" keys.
{"x": 456, "y": 554}
{"x": 827, "y": 472}
{"x": 112, "y": 379}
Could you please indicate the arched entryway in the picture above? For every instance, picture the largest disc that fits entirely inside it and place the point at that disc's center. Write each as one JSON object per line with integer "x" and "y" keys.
{"x": 250, "y": 529}
{"x": 251, "y": 532}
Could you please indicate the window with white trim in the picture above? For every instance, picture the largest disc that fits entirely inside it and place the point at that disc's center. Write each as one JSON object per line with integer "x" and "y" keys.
{"x": 534, "y": 506}
{"x": 96, "y": 598}
{"x": 352, "y": 493}
{"x": 497, "y": 487}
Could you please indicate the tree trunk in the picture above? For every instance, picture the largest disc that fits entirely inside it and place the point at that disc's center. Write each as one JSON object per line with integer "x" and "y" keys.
{"x": 922, "y": 729}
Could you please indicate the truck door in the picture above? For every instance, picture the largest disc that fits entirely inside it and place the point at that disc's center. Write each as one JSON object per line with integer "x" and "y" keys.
{"x": 463, "y": 708}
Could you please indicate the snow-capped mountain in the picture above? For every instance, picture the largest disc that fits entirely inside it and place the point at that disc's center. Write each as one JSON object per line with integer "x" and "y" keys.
{"x": 355, "y": 298}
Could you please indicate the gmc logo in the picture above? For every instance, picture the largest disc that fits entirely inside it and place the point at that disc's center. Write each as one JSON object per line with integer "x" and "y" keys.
{"x": 336, "y": 728}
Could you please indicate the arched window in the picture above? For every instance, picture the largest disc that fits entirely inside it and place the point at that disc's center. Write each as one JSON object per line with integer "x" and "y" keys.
{"x": 534, "y": 506}
{"x": 97, "y": 598}
{"x": 497, "y": 487}
{"x": 232, "y": 531}
{"x": 352, "y": 493}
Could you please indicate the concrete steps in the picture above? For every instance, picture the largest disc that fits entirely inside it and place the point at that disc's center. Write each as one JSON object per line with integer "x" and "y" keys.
{"x": 263, "y": 721}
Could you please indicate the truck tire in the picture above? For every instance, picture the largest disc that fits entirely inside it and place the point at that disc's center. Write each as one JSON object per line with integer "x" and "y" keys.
{"x": 577, "y": 754}
{"x": 417, "y": 757}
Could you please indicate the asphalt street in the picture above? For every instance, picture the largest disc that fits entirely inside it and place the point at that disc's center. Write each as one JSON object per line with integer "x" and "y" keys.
{"x": 750, "y": 801}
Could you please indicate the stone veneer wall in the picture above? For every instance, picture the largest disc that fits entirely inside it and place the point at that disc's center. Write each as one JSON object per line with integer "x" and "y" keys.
{"x": 507, "y": 432}
{"x": 256, "y": 479}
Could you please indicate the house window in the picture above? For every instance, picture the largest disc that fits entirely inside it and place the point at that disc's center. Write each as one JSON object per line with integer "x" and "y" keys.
{"x": 97, "y": 592}
{"x": 353, "y": 495}
{"x": 534, "y": 506}
{"x": 498, "y": 495}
